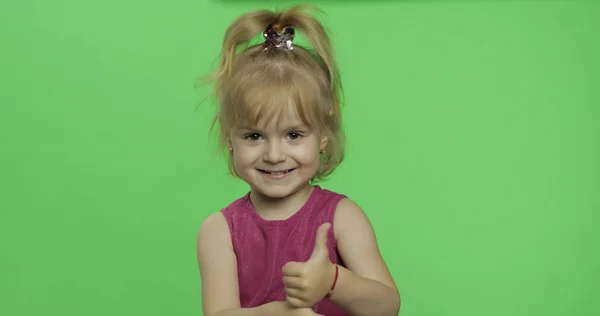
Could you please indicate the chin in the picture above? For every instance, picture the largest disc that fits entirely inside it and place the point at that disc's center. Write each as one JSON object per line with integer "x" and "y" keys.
{"x": 278, "y": 191}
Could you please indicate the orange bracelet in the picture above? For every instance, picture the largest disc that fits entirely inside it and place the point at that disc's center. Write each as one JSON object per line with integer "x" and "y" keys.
{"x": 334, "y": 282}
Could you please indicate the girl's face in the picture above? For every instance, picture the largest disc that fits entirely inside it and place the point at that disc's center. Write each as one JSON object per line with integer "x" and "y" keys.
{"x": 279, "y": 159}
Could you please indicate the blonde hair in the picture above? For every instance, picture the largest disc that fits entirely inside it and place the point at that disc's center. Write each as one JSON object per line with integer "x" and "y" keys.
{"x": 254, "y": 84}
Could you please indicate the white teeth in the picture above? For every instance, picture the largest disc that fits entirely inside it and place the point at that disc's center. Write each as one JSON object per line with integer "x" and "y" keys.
{"x": 276, "y": 173}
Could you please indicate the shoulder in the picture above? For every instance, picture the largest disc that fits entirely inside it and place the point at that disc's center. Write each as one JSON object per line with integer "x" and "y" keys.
{"x": 212, "y": 221}
{"x": 216, "y": 228}
{"x": 213, "y": 230}
{"x": 230, "y": 210}
{"x": 329, "y": 193}
{"x": 346, "y": 212}
{"x": 328, "y": 199}
{"x": 349, "y": 216}
{"x": 348, "y": 206}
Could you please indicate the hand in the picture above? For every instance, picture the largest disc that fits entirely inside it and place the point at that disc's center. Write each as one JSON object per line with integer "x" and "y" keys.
{"x": 305, "y": 312}
{"x": 288, "y": 309}
{"x": 306, "y": 283}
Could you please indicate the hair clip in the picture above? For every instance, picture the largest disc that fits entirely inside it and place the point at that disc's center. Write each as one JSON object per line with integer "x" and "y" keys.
{"x": 278, "y": 40}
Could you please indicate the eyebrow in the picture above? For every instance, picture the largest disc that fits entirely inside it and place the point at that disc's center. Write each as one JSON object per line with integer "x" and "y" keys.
{"x": 248, "y": 129}
{"x": 259, "y": 129}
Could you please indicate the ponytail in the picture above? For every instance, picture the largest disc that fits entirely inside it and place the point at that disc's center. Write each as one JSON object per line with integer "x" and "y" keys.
{"x": 241, "y": 32}
{"x": 250, "y": 25}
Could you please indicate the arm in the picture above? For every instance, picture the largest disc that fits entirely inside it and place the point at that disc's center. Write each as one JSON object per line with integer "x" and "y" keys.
{"x": 218, "y": 271}
{"x": 273, "y": 308}
{"x": 366, "y": 287}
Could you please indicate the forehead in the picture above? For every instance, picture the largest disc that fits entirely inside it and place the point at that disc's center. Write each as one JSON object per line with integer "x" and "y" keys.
{"x": 284, "y": 119}
{"x": 274, "y": 109}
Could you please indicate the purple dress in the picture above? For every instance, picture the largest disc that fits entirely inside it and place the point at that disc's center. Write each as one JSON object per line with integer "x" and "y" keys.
{"x": 263, "y": 246}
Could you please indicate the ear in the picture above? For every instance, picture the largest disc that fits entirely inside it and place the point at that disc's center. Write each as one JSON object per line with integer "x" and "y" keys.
{"x": 324, "y": 140}
{"x": 229, "y": 143}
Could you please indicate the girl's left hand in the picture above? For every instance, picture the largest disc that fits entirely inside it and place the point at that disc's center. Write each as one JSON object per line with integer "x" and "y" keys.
{"x": 307, "y": 283}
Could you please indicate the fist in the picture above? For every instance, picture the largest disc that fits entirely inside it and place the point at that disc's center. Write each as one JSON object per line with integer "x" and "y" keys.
{"x": 307, "y": 283}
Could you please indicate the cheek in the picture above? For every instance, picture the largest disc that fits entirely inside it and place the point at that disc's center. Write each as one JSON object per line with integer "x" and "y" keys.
{"x": 244, "y": 156}
{"x": 308, "y": 156}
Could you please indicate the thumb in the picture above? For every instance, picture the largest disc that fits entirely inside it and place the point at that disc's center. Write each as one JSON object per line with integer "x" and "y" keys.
{"x": 321, "y": 241}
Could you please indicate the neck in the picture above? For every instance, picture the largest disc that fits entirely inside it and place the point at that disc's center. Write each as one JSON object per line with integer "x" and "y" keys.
{"x": 280, "y": 208}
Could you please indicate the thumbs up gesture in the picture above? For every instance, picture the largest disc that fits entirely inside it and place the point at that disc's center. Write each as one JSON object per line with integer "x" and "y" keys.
{"x": 306, "y": 283}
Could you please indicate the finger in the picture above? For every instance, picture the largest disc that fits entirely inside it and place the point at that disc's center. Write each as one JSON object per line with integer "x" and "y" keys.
{"x": 293, "y": 269}
{"x": 295, "y": 293}
{"x": 321, "y": 241}
{"x": 293, "y": 282}
{"x": 296, "y": 302}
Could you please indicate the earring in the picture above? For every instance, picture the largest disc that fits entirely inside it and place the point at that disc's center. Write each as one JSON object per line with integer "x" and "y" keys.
{"x": 322, "y": 151}
{"x": 230, "y": 151}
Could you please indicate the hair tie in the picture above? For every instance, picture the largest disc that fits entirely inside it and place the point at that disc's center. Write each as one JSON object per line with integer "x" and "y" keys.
{"x": 278, "y": 40}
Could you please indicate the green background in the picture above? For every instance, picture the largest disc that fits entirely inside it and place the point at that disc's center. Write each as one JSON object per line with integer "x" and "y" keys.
{"x": 472, "y": 145}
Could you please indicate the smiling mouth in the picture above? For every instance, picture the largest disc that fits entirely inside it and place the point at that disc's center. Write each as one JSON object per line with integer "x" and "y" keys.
{"x": 276, "y": 173}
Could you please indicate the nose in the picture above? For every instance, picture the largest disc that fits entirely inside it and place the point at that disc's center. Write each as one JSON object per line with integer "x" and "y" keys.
{"x": 274, "y": 153}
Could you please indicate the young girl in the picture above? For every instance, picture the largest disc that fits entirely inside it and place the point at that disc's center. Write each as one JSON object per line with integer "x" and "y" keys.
{"x": 287, "y": 247}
